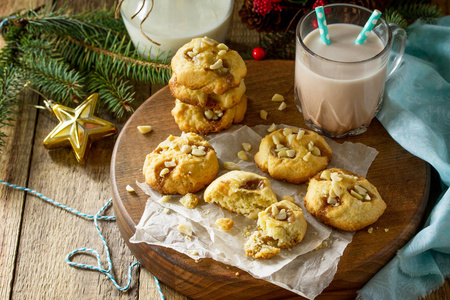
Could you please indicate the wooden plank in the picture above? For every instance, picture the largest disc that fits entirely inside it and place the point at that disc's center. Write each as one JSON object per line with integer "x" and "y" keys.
{"x": 444, "y": 5}
{"x": 14, "y": 165}
{"x": 49, "y": 234}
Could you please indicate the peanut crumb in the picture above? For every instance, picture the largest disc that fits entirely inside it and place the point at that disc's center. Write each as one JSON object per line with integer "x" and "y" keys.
{"x": 242, "y": 156}
{"x": 282, "y": 106}
{"x": 166, "y": 211}
{"x": 370, "y": 230}
{"x": 224, "y": 224}
{"x": 193, "y": 252}
{"x": 263, "y": 114}
{"x": 165, "y": 198}
{"x": 272, "y": 128}
{"x": 386, "y": 229}
{"x": 144, "y": 129}
{"x": 277, "y": 98}
{"x": 237, "y": 274}
{"x": 246, "y": 146}
{"x": 228, "y": 165}
{"x": 129, "y": 188}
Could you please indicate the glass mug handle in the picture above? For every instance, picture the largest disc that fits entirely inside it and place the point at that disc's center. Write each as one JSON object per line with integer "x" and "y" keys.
{"x": 398, "y": 48}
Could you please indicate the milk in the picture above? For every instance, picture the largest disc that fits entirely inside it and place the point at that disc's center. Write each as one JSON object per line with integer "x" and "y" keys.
{"x": 173, "y": 23}
{"x": 340, "y": 91}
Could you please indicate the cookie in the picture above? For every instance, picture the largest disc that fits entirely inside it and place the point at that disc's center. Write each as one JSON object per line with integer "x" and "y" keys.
{"x": 209, "y": 66}
{"x": 293, "y": 155}
{"x": 260, "y": 246}
{"x": 181, "y": 165}
{"x": 191, "y": 118}
{"x": 343, "y": 200}
{"x": 211, "y": 101}
{"x": 241, "y": 192}
{"x": 281, "y": 225}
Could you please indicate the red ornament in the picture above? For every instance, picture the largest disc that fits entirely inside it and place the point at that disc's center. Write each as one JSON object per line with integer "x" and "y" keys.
{"x": 263, "y": 7}
{"x": 259, "y": 53}
{"x": 319, "y": 3}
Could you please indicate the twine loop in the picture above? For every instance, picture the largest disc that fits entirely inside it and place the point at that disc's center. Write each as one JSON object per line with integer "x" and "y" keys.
{"x": 119, "y": 5}
{"x": 89, "y": 251}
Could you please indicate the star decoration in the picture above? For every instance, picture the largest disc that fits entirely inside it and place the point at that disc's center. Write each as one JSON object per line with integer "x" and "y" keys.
{"x": 78, "y": 127}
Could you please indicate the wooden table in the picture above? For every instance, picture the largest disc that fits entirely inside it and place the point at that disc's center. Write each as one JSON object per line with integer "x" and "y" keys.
{"x": 36, "y": 237}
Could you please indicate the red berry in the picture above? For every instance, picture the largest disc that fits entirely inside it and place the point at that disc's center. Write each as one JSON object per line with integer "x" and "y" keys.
{"x": 259, "y": 53}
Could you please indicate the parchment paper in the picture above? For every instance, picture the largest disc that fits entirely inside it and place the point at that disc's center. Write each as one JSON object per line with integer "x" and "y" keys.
{"x": 305, "y": 269}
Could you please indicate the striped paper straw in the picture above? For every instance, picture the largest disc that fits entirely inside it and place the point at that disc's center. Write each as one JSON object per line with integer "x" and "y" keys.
{"x": 323, "y": 29}
{"x": 368, "y": 27}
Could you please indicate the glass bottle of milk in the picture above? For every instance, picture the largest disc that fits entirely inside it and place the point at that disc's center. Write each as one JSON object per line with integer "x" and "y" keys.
{"x": 173, "y": 23}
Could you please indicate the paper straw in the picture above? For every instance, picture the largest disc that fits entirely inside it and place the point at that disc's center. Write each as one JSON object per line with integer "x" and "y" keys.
{"x": 368, "y": 27}
{"x": 323, "y": 29}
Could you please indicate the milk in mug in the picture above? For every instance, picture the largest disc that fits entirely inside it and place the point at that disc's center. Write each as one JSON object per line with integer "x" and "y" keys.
{"x": 338, "y": 92}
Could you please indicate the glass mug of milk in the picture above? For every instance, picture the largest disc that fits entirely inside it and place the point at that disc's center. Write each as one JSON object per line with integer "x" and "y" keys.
{"x": 339, "y": 87}
{"x": 173, "y": 23}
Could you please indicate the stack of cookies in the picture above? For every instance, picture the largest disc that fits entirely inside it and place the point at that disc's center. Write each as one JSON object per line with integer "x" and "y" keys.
{"x": 208, "y": 84}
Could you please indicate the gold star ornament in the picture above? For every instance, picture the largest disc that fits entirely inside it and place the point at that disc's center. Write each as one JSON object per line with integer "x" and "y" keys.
{"x": 78, "y": 127}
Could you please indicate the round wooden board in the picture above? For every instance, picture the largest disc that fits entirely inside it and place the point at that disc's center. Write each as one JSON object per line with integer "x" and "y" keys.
{"x": 401, "y": 178}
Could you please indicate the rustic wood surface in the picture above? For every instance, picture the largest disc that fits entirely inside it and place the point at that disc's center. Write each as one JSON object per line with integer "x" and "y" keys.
{"x": 36, "y": 237}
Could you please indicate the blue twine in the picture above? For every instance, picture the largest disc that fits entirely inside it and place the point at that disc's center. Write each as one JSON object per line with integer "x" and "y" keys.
{"x": 6, "y": 20}
{"x": 71, "y": 210}
{"x": 95, "y": 217}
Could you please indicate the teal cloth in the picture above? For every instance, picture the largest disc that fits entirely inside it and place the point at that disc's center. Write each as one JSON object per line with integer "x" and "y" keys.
{"x": 416, "y": 113}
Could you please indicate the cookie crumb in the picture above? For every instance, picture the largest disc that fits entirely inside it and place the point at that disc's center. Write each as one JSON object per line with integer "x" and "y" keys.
{"x": 129, "y": 188}
{"x": 224, "y": 224}
{"x": 189, "y": 200}
{"x": 370, "y": 230}
{"x": 185, "y": 229}
{"x": 386, "y": 229}
{"x": 166, "y": 211}
{"x": 237, "y": 274}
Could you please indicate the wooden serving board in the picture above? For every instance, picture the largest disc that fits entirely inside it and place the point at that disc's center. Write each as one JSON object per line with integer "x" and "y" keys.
{"x": 401, "y": 178}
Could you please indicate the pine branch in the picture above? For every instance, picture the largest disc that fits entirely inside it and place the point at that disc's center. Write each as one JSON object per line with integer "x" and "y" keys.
{"x": 58, "y": 52}
{"x": 115, "y": 92}
{"x": 54, "y": 78}
{"x": 11, "y": 84}
{"x": 393, "y": 16}
{"x": 404, "y": 14}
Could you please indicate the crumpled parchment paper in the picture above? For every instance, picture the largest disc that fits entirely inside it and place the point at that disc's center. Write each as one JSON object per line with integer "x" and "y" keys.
{"x": 305, "y": 269}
